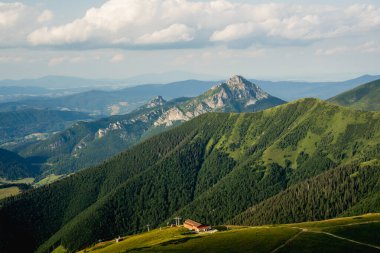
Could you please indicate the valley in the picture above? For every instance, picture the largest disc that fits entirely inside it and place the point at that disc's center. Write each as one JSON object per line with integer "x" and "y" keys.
{"x": 214, "y": 168}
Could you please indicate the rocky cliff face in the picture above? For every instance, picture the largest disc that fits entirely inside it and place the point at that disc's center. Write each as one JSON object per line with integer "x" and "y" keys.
{"x": 235, "y": 95}
{"x": 157, "y": 101}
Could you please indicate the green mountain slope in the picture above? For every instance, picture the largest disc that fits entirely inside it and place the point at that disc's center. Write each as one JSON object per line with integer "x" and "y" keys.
{"x": 306, "y": 237}
{"x": 89, "y": 143}
{"x": 211, "y": 169}
{"x": 13, "y": 166}
{"x": 365, "y": 97}
{"x": 324, "y": 196}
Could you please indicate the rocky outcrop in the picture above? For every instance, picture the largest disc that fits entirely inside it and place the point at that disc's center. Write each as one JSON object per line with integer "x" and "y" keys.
{"x": 237, "y": 94}
{"x": 172, "y": 115}
{"x": 157, "y": 101}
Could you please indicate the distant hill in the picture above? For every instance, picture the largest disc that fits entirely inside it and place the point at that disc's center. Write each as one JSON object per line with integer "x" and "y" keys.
{"x": 308, "y": 157}
{"x": 13, "y": 166}
{"x": 16, "y": 125}
{"x": 88, "y": 143}
{"x": 114, "y": 102}
{"x": 292, "y": 90}
{"x": 365, "y": 97}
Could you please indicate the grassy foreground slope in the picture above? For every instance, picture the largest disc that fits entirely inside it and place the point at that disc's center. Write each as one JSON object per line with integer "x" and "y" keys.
{"x": 302, "y": 237}
{"x": 210, "y": 169}
{"x": 365, "y": 97}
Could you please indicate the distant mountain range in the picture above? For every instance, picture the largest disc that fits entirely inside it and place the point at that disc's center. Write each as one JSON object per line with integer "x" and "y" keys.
{"x": 365, "y": 97}
{"x": 105, "y": 101}
{"x": 112, "y": 102}
{"x": 88, "y": 143}
{"x": 301, "y": 161}
{"x": 69, "y": 82}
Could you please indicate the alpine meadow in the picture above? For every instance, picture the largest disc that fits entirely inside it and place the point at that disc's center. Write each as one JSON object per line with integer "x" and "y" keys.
{"x": 214, "y": 126}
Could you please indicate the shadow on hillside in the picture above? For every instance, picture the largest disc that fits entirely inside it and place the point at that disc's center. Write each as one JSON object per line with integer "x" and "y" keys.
{"x": 136, "y": 249}
{"x": 178, "y": 241}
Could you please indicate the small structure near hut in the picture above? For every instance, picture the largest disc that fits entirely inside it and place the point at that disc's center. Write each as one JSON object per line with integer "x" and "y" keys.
{"x": 196, "y": 226}
{"x": 119, "y": 239}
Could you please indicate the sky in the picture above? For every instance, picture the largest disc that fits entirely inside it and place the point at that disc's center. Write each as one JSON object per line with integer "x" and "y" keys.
{"x": 275, "y": 40}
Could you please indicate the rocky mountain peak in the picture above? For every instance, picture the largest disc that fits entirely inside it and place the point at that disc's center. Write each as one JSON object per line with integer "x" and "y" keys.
{"x": 237, "y": 94}
{"x": 237, "y": 81}
{"x": 241, "y": 88}
{"x": 157, "y": 101}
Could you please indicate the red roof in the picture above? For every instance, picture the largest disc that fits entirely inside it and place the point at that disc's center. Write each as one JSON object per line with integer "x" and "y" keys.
{"x": 193, "y": 223}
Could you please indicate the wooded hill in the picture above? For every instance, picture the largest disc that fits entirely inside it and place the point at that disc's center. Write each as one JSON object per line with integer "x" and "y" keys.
{"x": 212, "y": 169}
{"x": 365, "y": 97}
{"x": 13, "y": 166}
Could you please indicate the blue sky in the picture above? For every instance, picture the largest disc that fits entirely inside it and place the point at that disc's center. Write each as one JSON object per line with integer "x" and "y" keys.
{"x": 297, "y": 40}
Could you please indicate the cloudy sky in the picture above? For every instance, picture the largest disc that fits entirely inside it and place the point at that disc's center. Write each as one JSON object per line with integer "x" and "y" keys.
{"x": 288, "y": 39}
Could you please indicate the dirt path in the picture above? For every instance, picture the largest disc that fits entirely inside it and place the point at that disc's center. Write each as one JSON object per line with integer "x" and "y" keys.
{"x": 346, "y": 239}
{"x": 289, "y": 241}
{"x": 326, "y": 233}
{"x": 357, "y": 223}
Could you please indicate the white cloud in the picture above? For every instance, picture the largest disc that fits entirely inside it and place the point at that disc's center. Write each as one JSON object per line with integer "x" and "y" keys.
{"x": 75, "y": 32}
{"x": 233, "y": 32}
{"x": 10, "y": 13}
{"x": 10, "y": 59}
{"x": 134, "y": 23}
{"x": 187, "y": 23}
{"x": 56, "y": 61}
{"x": 368, "y": 47}
{"x": 45, "y": 16}
{"x": 117, "y": 58}
{"x": 331, "y": 51}
{"x": 17, "y": 20}
{"x": 174, "y": 33}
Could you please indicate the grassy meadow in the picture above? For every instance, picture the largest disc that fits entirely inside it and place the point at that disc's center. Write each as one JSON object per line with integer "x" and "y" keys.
{"x": 319, "y": 236}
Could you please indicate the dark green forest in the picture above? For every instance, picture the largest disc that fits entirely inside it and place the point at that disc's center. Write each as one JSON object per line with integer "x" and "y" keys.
{"x": 250, "y": 168}
{"x": 13, "y": 166}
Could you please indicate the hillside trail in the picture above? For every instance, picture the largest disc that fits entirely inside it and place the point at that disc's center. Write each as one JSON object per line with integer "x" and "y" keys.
{"x": 303, "y": 230}
{"x": 348, "y": 240}
{"x": 290, "y": 240}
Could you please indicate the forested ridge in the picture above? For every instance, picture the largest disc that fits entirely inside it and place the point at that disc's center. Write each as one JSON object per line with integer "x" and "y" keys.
{"x": 365, "y": 97}
{"x": 13, "y": 166}
{"x": 215, "y": 168}
{"x": 324, "y": 196}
